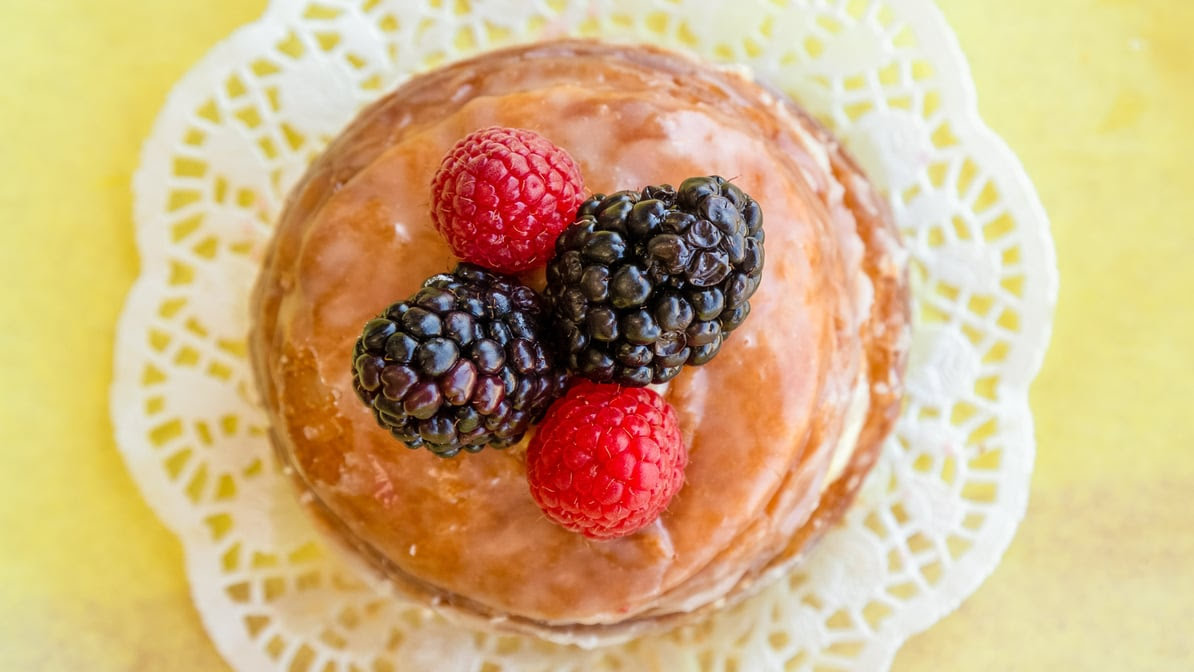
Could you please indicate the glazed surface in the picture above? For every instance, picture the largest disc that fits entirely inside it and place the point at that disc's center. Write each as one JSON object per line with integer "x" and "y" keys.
{"x": 762, "y": 421}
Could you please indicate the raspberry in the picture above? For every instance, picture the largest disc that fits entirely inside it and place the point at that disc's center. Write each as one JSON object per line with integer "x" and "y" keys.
{"x": 606, "y": 460}
{"x": 502, "y": 196}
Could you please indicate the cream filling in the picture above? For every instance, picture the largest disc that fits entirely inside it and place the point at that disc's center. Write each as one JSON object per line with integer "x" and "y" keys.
{"x": 856, "y": 414}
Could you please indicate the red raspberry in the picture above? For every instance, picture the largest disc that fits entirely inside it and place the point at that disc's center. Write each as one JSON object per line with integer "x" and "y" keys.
{"x": 502, "y": 196}
{"x": 607, "y": 459}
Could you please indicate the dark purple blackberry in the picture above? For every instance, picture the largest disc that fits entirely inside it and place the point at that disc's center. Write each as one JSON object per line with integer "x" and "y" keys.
{"x": 460, "y": 365}
{"x": 643, "y": 283}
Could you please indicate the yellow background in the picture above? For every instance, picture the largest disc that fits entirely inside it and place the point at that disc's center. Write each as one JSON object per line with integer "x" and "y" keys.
{"x": 1097, "y": 98}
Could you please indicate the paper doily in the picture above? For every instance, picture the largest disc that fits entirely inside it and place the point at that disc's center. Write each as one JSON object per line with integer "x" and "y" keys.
{"x": 887, "y": 75}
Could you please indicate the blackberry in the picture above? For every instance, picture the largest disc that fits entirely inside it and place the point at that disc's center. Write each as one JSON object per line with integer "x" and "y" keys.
{"x": 460, "y": 365}
{"x": 643, "y": 283}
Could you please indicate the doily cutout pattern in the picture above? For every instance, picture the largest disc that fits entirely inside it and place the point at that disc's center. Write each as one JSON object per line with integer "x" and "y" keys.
{"x": 933, "y": 519}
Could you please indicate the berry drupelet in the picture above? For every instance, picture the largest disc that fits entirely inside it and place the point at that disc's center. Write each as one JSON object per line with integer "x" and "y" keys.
{"x": 643, "y": 283}
{"x": 460, "y": 365}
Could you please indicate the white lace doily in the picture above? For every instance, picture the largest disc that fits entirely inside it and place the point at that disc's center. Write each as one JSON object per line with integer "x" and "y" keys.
{"x": 887, "y": 75}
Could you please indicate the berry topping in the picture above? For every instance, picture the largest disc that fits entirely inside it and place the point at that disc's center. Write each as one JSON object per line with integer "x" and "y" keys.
{"x": 459, "y": 365}
{"x": 502, "y": 195}
{"x": 646, "y": 282}
{"x": 606, "y": 460}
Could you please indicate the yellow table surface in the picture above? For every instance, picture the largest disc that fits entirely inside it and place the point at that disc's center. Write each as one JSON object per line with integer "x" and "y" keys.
{"x": 1096, "y": 96}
